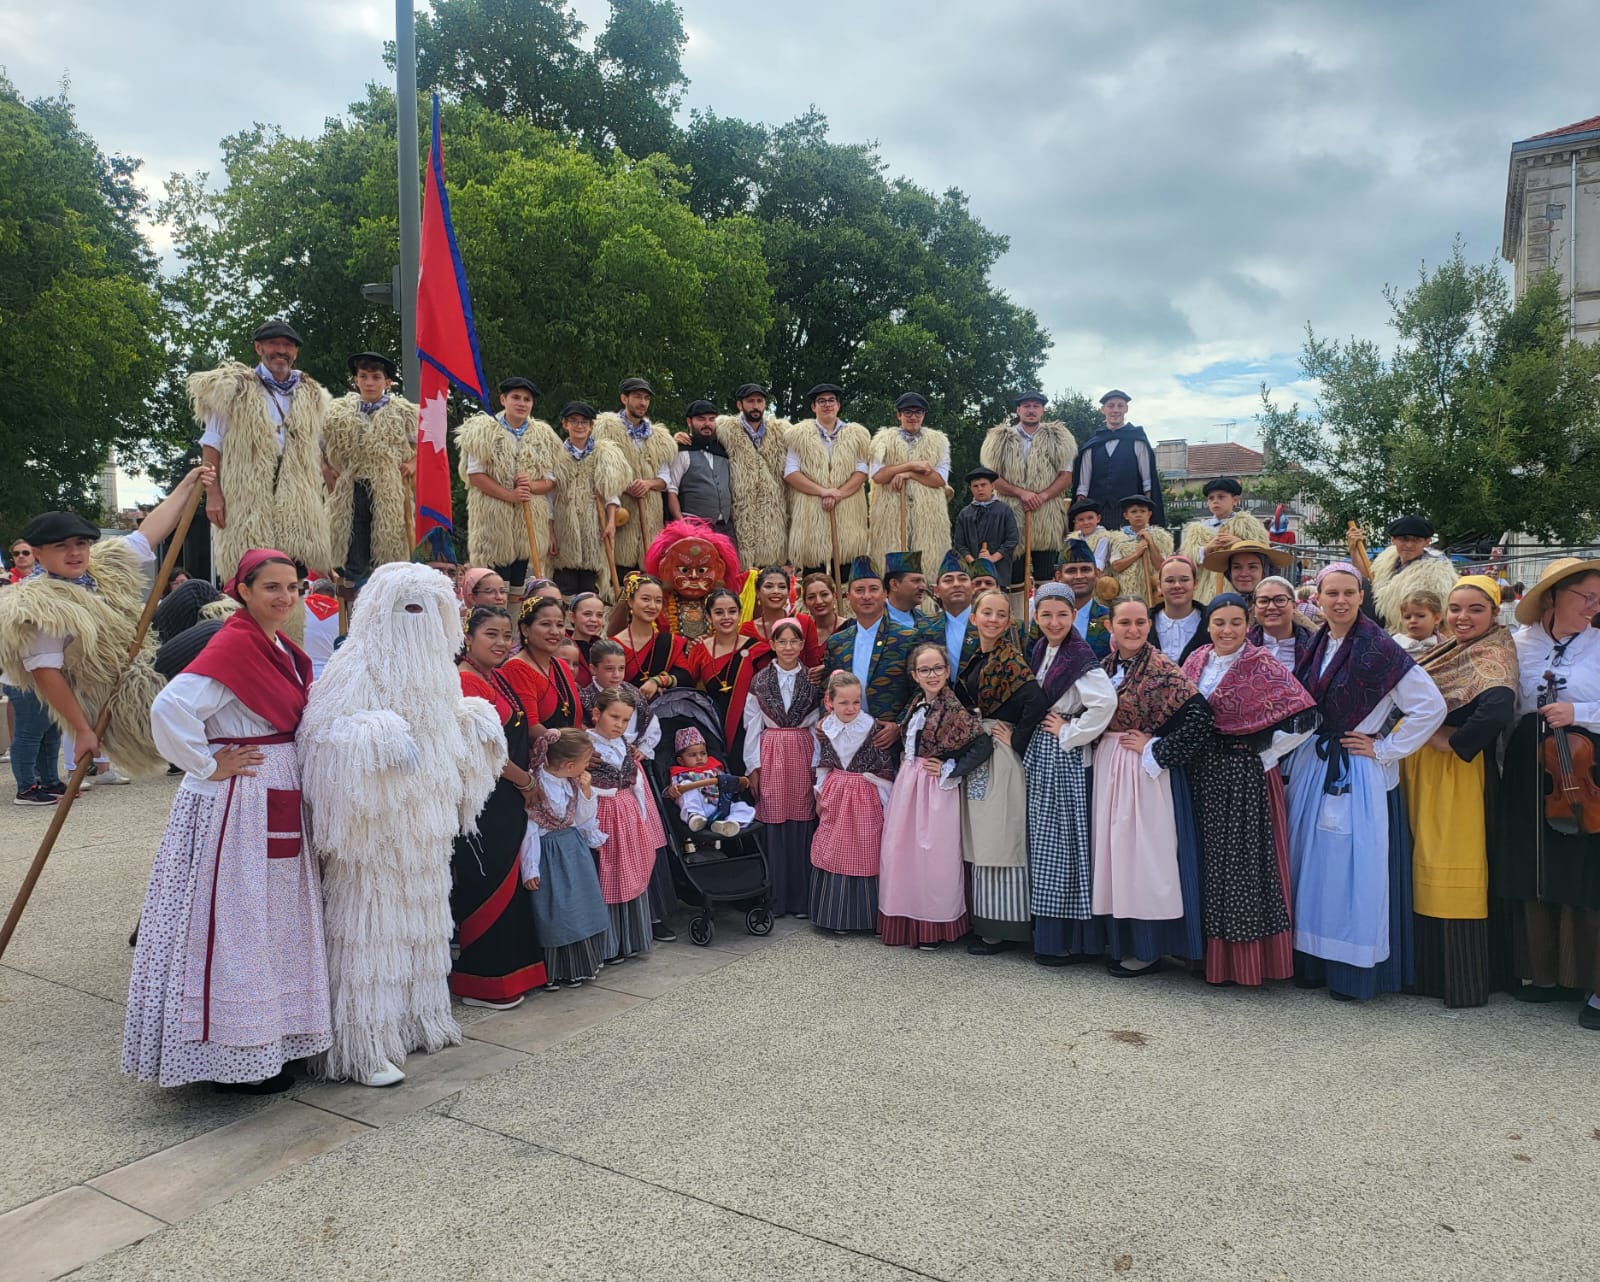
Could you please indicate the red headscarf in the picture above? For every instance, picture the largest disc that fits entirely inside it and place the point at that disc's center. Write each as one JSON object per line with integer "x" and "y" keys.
{"x": 249, "y": 563}
{"x": 269, "y": 677}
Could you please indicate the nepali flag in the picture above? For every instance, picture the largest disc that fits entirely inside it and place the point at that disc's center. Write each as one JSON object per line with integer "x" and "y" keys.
{"x": 447, "y": 343}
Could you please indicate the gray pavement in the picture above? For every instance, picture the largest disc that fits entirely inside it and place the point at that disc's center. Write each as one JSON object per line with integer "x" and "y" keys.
{"x": 799, "y": 1107}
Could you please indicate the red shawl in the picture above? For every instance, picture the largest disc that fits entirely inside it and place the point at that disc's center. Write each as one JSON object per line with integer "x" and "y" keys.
{"x": 269, "y": 679}
{"x": 1255, "y": 694}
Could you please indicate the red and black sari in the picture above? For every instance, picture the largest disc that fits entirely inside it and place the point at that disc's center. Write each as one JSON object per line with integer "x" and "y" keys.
{"x": 726, "y": 680}
{"x": 500, "y": 953}
{"x": 663, "y": 655}
{"x": 549, "y": 700}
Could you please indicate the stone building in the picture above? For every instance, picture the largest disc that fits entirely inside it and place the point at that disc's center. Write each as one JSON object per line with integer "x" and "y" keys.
{"x": 1553, "y": 217}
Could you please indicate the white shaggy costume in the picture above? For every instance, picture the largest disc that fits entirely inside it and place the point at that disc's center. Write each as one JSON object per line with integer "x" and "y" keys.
{"x": 927, "y": 509}
{"x": 497, "y": 534}
{"x": 1197, "y": 536}
{"x": 830, "y": 462}
{"x": 583, "y": 487}
{"x": 369, "y": 447}
{"x": 648, "y": 460}
{"x": 1134, "y": 581}
{"x": 395, "y": 763}
{"x": 1033, "y": 463}
{"x": 271, "y": 465}
{"x": 760, "y": 498}
{"x": 1392, "y": 583}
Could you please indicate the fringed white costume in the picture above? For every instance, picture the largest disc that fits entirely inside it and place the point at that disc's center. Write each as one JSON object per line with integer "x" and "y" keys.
{"x": 1049, "y": 454}
{"x": 583, "y": 487}
{"x": 1134, "y": 581}
{"x": 1392, "y": 583}
{"x": 647, "y": 460}
{"x": 395, "y": 763}
{"x": 927, "y": 509}
{"x": 760, "y": 498}
{"x": 830, "y": 466}
{"x": 370, "y": 448}
{"x": 497, "y": 534}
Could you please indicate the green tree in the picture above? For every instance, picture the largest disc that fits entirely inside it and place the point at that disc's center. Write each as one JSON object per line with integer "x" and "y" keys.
{"x": 81, "y": 321}
{"x": 1484, "y": 417}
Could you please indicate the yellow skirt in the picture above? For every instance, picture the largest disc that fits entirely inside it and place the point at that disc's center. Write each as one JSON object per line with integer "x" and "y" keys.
{"x": 1449, "y": 862}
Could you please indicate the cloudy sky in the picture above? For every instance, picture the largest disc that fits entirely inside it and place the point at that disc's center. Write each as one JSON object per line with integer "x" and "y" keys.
{"x": 1185, "y": 186}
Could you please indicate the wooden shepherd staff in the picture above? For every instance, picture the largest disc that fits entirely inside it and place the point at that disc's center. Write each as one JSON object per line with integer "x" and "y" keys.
{"x": 1152, "y": 573}
{"x": 64, "y": 806}
{"x": 1027, "y": 565}
{"x": 611, "y": 551}
{"x": 833, "y": 530}
{"x": 904, "y": 501}
{"x": 535, "y": 568}
{"x": 1358, "y": 550}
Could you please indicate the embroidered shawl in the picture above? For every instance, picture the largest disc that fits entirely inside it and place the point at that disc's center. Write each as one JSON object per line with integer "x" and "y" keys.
{"x": 950, "y": 726}
{"x": 766, "y": 692}
{"x": 1366, "y": 667}
{"x": 1153, "y": 688}
{"x": 1255, "y": 694}
{"x": 1465, "y": 669}
{"x": 1004, "y": 672}
{"x": 1073, "y": 659}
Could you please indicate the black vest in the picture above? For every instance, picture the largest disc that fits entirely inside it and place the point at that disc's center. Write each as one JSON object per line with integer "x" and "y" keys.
{"x": 706, "y": 489}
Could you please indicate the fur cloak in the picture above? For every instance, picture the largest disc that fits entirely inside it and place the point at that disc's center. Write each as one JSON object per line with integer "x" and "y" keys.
{"x": 602, "y": 474}
{"x": 760, "y": 498}
{"x": 810, "y": 537}
{"x": 927, "y": 509}
{"x": 1134, "y": 581}
{"x": 1430, "y": 572}
{"x": 496, "y": 532}
{"x": 395, "y": 762}
{"x": 1197, "y": 536}
{"x": 371, "y": 449}
{"x": 1051, "y": 454}
{"x": 646, "y": 516}
{"x": 101, "y": 624}
{"x": 273, "y": 501}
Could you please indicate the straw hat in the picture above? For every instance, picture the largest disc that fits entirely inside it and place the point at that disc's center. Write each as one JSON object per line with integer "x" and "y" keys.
{"x": 1216, "y": 559}
{"x": 1531, "y": 607}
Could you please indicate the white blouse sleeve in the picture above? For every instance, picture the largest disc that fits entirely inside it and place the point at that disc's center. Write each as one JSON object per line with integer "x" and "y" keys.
{"x": 1283, "y": 743}
{"x": 1099, "y": 706}
{"x": 650, "y": 740}
{"x": 178, "y": 721}
{"x": 587, "y": 821}
{"x": 755, "y": 722}
{"x": 1422, "y": 707}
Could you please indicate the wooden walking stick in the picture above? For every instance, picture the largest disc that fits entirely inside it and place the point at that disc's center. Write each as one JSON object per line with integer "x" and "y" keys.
{"x": 64, "y": 806}
{"x": 1027, "y": 565}
{"x": 904, "y": 501}
{"x": 535, "y": 568}
{"x": 610, "y": 549}
{"x": 833, "y": 531}
{"x": 1152, "y": 574}
{"x": 1358, "y": 550}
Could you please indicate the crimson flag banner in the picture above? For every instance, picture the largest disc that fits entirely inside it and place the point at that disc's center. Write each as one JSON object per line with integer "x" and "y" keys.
{"x": 447, "y": 343}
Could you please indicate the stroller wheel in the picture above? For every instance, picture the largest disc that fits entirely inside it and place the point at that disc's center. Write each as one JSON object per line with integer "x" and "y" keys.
{"x": 701, "y": 930}
{"x": 758, "y": 921}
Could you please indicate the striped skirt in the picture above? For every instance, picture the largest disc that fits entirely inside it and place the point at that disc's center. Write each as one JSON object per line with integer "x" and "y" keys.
{"x": 628, "y": 933}
{"x": 840, "y": 902}
{"x": 572, "y": 963}
{"x": 999, "y": 898}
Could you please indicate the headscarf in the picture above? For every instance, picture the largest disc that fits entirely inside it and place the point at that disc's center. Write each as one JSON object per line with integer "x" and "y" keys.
{"x": 470, "y": 580}
{"x": 249, "y": 563}
{"x": 1153, "y": 689}
{"x": 1338, "y": 567}
{"x": 787, "y": 620}
{"x": 1484, "y": 584}
{"x": 1052, "y": 590}
{"x": 1179, "y": 556}
{"x": 1224, "y": 599}
{"x": 1465, "y": 669}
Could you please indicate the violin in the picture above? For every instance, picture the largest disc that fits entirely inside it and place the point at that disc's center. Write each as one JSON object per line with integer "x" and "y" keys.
{"x": 1572, "y": 797}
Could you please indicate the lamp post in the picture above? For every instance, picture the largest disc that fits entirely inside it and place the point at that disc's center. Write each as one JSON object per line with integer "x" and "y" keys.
{"x": 405, "y": 46}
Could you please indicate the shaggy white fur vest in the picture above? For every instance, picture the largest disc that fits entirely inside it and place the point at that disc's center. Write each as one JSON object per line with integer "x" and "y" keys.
{"x": 101, "y": 624}
{"x": 645, "y": 462}
{"x": 579, "y": 484}
{"x": 1430, "y": 572}
{"x": 760, "y": 498}
{"x": 371, "y": 448}
{"x": 496, "y": 531}
{"x": 1134, "y": 581}
{"x": 1051, "y": 453}
{"x": 810, "y": 539}
{"x": 273, "y": 500}
{"x": 927, "y": 510}
{"x": 1197, "y": 536}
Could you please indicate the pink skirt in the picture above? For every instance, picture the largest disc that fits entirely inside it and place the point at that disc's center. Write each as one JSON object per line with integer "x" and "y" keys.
{"x": 786, "y": 793}
{"x": 921, "y": 876}
{"x": 850, "y": 826}
{"x": 1134, "y": 838}
{"x": 627, "y": 855}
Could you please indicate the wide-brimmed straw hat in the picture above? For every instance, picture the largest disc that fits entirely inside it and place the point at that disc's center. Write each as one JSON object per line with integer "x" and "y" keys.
{"x": 1531, "y": 607}
{"x": 1216, "y": 559}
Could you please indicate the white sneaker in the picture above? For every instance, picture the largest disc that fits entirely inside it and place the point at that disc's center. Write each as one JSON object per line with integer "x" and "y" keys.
{"x": 112, "y": 777}
{"x": 489, "y": 1005}
{"x": 696, "y": 823}
{"x": 388, "y": 1075}
{"x": 725, "y": 828}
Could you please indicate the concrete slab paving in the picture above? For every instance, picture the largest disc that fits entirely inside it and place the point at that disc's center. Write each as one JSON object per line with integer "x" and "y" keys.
{"x": 56, "y": 1234}
{"x": 548, "y": 1018}
{"x": 429, "y": 1079}
{"x": 666, "y": 967}
{"x": 434, "y": 1198}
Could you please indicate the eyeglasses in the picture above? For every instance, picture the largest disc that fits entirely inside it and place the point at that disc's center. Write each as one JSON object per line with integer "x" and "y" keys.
{"x": 1273, "y": 600}
{"x": 826, "y": 400}
{"x": 1588, "y": 598}
{"x": 929, "y": 672}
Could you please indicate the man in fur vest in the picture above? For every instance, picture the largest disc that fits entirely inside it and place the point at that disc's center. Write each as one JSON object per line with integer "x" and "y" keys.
{"x": 1407, "y": 565}
{"x": 1033, "y": 459}
{"x": 649, "y": 451}
{"x": 369, "y": 451}
{"x": 1118, "y": 460}
{"x": 507, "y": 459}
{"x": 1224, "y": 526}
{"x": 910, "y": 510}
{"x": 590, "y": 478}
{"x": 757, "y": 446}
{"x": 263, "y": 439}
{"x": 826, "y": 466}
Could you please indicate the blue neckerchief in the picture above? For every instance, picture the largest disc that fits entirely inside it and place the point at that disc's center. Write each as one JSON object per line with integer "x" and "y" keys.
{"x": 84, "y": 580}
{"x": 286, "y": 387}
{"x": 580, "y": 455}
{"x": 640, "y": 433}
{"x": 515, "y": 431}
{"x": 756, "y": 436}
{"x": 372, "y": 407}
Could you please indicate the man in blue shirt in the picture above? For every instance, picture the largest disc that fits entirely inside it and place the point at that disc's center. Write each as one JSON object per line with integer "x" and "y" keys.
{"x": 875, "y": 649}
{"x": 951, "y": 627}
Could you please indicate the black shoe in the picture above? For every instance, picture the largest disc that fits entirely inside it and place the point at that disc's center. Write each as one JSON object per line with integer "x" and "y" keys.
{"x": 35, "y": 796}
{"x": 272, "y": 1086}
{"x": 1589, "y": 1017}
{"x": 662, "y": 933}
{"x": 133, "y": 939}
{"x": 1549, "y": 993}
{"x": 983, "y": 948}
{"x": 174, "y": 770}
{"x": 1340, "y": 997}
{"x": 1059, "y": 959}
{"x": 1122, "y": 972}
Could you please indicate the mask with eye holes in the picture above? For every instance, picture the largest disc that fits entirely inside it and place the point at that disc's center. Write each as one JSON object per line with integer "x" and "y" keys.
{"x": 405, "y": 628}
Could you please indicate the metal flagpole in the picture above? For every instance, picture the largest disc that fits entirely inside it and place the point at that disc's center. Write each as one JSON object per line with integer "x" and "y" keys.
{"x": 405, "y": 46}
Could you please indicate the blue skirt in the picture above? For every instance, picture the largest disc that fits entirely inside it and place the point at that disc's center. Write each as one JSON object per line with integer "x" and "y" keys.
{"x": 568, "y": 906}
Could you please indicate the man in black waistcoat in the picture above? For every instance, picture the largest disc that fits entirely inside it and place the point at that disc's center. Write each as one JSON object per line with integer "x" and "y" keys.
{"x": 1117, "y": 461}
{"x": 699, "y": 480}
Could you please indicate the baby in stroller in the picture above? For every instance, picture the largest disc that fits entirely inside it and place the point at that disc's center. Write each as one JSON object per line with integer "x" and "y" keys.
{"x": 704, "y": 790}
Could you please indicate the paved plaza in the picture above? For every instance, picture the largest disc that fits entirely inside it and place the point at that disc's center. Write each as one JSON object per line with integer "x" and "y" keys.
{"x": 793, "y": 1108}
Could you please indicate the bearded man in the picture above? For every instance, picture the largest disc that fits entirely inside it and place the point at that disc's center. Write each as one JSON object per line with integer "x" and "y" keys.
{"x": 395, "y": 763}
{"x": 649, "y": 451}
{"x": 263, "y": 440}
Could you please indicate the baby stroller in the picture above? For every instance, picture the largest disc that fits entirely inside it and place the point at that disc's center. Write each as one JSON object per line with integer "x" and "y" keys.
{"x": 706, "y": 871}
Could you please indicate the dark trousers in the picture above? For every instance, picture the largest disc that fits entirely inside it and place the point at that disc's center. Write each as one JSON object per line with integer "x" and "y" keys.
{"x": 572, "y": 582}
{"x": 1044, "y": 567}
{"x": 358, "y": 556}
{"x": 35, "y": 743}
{"x": 515, "y": 573}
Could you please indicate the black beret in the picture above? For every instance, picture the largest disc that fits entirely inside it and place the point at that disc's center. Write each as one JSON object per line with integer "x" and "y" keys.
{"x": 701, "y": 406}
{"x": 57, "y": 527}
{"x": 1226, "y": 484}
{"x": 277, "y": 329}
{"x": 982, "y": 474}
{"x": 180, "y": 608}
{"x": 1136, "y": 498}
{"x": 823, "y": 388}
{"x": 526, "y": 384}
{"x": 579, "y": 409}
{"x": 911, "y": 401}
{"x": 1081, "y": 506}
{"x": 1115, "y": 392}
{"x": 371, "y": 358}
{"x": 750, "y": 389}
{"x": 635, "y": 385}
{"x": 1416, "y": 527}
{"x": 1029, "y": 394}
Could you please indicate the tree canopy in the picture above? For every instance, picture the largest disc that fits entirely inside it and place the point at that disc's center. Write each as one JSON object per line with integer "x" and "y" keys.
{"x": 82, "y": 329}
{"x": 1484, "y": 417}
